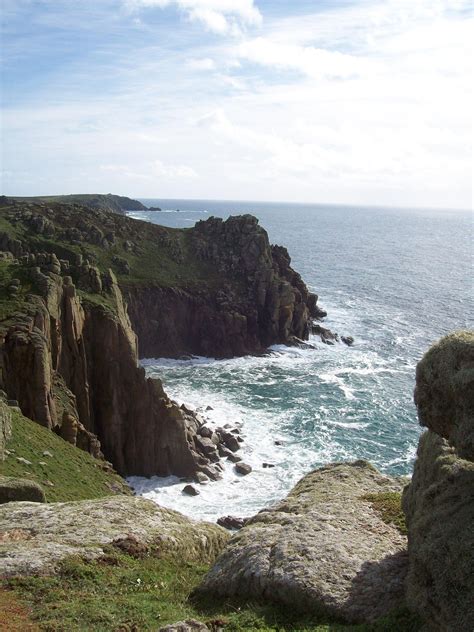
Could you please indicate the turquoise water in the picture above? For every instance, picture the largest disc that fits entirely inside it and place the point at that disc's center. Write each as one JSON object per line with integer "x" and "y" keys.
{"x": 394, "y": 279}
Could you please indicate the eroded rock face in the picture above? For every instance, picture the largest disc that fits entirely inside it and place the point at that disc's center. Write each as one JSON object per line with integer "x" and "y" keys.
{"x": 5, "y": 427}
{"x": 439, "y": 502}
{"x": 444, "y": 393}
{"x": 263, "y": 302}
{"x": 72, "y": 366}
{"x": 35, "y": 537}
{"x": 322, "y": 548}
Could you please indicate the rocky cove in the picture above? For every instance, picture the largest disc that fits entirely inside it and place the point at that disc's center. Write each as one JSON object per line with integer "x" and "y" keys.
{"x": 69, "y": 362}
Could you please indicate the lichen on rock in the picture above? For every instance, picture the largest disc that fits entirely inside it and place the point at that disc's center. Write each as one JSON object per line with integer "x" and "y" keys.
{"x": 439, "y": 502}
{"x": 323, "y": 548}
{"x": 52, "y": 532}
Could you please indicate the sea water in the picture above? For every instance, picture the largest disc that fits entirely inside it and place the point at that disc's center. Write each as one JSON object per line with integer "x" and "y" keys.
{"x": 394, "y": 279}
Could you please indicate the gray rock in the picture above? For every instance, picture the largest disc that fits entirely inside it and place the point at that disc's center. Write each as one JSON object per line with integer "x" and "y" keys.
{"x": 20, "y": 489}
{"x": 231, "y": 522}
{"x": 322, "y": 548}
{"x": 190, "y": 625}
{"x": 57, "y": 530}
{"x": 234, "y": 458}
{"x": 189, "y": 490}
{"x": 444, "y": 393}
{"x": 243, "y": 468}
{"x": 439, "y": 502}
{"x": 21, "y": 459}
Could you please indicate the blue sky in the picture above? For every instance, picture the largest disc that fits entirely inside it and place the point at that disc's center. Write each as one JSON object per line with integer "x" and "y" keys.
{"x": 362, "y": 102}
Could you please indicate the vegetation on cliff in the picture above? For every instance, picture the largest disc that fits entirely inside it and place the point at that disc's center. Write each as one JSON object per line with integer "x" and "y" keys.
{"x": 106, "y": 202}
{"x": 63, "y": 471}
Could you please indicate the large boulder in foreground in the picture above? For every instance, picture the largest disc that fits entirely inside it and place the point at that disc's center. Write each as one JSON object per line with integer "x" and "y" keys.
{"x": 34, "y": 537}
{"x": 439, "y": 502}
{"x": 444, "y": 393}
{"x": 323, "y": 548}
{"x": 17, "y": 489}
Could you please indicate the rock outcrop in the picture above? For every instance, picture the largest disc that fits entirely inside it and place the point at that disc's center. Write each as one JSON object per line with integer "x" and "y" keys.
{"x": 19, "y": 489}
{"x": 323, "y": 548}
{"x": 72, "y": 366}
{"x": 5, "y": 427}
{"x": 439, "y": 502}
{"x": 35, "y": 537}
{"x": 261, "y": 301}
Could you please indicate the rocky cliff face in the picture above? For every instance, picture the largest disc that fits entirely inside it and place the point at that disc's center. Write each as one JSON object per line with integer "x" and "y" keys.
{"x": 261, "y": 300}
{"x": 72, "y": 367}
{"x": 439, "y": 502}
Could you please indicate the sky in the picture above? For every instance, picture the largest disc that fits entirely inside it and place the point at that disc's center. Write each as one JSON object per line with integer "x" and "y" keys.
{"x": 349, "y": 102}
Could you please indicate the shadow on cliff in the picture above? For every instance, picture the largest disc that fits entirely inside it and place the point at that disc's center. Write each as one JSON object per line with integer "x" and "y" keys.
{"x": 379, "y": 587}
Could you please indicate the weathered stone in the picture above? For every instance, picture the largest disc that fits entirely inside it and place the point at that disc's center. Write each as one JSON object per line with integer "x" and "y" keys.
{"x": 58, "y": 530}
{"x": 16, "y": 489}
{"x": 444, "y": 393}
{"x": 439, "y": 502}
{"x": 243, "y": 468}
{"x": 231, "y": 522}
{"x": 322, "y": 548}
{"x": 5, "y": 426}
{"x": 190, "y": 625}
{"x": 190, "y": 490}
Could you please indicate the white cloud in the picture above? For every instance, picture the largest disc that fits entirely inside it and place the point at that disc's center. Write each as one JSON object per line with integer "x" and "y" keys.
{"x": 205, "y": 63}
{"x": 218, "y": 16}
{"x": 314, "y": 62}
{"x": 173, "y": 171}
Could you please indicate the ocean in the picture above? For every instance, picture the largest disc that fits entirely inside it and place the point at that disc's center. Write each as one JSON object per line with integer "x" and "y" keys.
{"x": 394, "y": 279}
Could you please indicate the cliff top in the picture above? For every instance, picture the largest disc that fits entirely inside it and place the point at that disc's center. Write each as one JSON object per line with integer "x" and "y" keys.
{"x": 108, "y": 202}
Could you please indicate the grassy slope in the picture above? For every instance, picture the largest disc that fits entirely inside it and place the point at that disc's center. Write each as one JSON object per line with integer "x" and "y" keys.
{"x": 152, "y": 264}
{"x": 74, "y": 474}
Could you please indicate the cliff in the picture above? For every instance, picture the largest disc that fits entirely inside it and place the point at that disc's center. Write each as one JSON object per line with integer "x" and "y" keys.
{"x": 106, "y": 202}
{"x": 69, "y": 349}
{"x": 251, "y": 297}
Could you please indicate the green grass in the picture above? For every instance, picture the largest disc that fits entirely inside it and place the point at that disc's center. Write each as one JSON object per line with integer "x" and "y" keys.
{"x": 389, "y": 506}
{"x": 154, "y": 262}
{"x": 74, "y": 474}
{"x": 119, "y": 592}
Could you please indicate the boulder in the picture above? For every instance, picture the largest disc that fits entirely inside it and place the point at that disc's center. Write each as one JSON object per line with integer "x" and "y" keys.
{"x": 189, "y": 490}
{"x": 52, "y": 532}
{"x": 190, "y": 625}
{"x": 439, "y": 502}
{"x": 444, "y": 392}
{"x": 243, "y": 468}
{"x": 231, "y": 522}
{"x": 323, "y": 548}
{"x": 19, "y": 489}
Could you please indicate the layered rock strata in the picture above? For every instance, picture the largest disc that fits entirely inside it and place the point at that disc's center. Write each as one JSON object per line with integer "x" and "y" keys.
{"x": 35, "y": 537}
{"x": 439, "y": 502}
{"x": 323, "y": 548}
